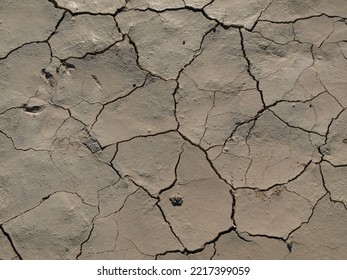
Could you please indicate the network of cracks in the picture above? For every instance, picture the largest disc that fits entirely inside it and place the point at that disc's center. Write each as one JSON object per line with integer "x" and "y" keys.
{"x": 178, "y": 129}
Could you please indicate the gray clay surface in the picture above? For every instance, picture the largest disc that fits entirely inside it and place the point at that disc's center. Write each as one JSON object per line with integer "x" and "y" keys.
{"x": 178, "y": 129}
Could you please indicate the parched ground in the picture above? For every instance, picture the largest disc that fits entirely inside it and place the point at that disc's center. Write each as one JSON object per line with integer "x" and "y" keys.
{"x": 177, "y": 129}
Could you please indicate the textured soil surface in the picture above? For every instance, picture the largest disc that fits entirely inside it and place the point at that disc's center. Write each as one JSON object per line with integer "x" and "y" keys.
{"x": 177, "y": 129}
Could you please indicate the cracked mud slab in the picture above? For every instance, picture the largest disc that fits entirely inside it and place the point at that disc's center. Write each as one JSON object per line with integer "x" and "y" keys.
{"x": 90, "y": 6}
{"x": 78, "y": 35}
{"x": 181, "y": 129}
{"x": 179, "y": 42}
{"x": 63, "y": 221}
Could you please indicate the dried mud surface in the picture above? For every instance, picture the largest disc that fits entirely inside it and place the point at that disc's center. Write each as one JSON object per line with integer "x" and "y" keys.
{"x": 178, "y": 129}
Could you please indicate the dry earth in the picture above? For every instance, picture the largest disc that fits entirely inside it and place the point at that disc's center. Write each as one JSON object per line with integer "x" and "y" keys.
{"x": 178, "y": 129}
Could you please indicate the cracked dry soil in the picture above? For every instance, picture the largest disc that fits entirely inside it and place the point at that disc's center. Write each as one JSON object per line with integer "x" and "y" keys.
{"x": 178, "y": 129}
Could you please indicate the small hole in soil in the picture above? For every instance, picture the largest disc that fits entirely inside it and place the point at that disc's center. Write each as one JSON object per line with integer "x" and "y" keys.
{"x": 33, "y": 109}
{"x": 47, "y": 74}
{"x": 176, "y": 200}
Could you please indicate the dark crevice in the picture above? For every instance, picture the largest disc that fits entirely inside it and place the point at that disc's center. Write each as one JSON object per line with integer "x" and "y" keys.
{"x": 334, "y": 165}
{"x": 91, "y": 230}
{"x": 174, "y": 95}
{"x": 11, "y": 242}
{"x": 57, "y": 6}
{"x": 147, "y": 136}
{"x": 213, "y": 241}
{"x": 260, "y": 14}
{"x": 219, "y": 235}
{"x": 214, "y": 251}
{"x": 298, "y": 19}
{"x": 278, "y": 184}
{"x": 87, "y": 239}
{"x": 175, "y": 180}
{"x": 197, "y": 52}
{"x": 249, "y": 65}
{"x": 207, "y": 158}
{"x": 157, "y": 198}
{"x": 56, "y": 26}
{"x": 97, "y": 147}
{"x": 37, "y": 41}
{"x": 323, "y": 180}
{"x": 92, "y": 53}
{"x": 267, "y": 236}
{"x": 138, "y": 58}
{"x": 170, "y": 226}
{"x": 327, "y": 190}
{"x": 243, "y": 238}
{"x": 21, "y": 46}
{"x": 147, "y": 77}
{"x": 296, "y": 127}
{"x": 117, "y": 99}
{"x": 167, "y": 252}
{"x": 123, "y": 205}
{"x": 233, "y": 208}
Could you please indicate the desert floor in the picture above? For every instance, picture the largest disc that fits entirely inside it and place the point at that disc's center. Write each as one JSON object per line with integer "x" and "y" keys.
{"x": 178, "y": 129}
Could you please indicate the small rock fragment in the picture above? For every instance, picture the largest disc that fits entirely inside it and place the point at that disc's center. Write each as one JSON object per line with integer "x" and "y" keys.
{"x": 176, "y": 200}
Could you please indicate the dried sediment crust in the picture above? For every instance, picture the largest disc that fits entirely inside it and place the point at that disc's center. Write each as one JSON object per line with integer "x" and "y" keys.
{"x": 150, "y": 222}
{"x": 335, "y": 181}
{"x": 237, "y": 13}
{"x": 79, "y": 35}
{"x": 264, "y": 153}
{"x": 335, "y": 149}
{"x": 112, "y": 198}
{"x": 242, "y": 246}
{"x": 277, "y": 67}
{"x": 92, "y": 78}
{"x": 205, "y": 254}
{"x": 150, "y": 161}
{"x": 215, "y": 91}
{"x": 26, "y": 21}
{"x": 33, "y": 125}
{"x": 21, "y": 74}
{"x": 206, "y": 202}
{"x": 148, "y": 110}
{"x": 331, "y": 66}
{"x": 180, "y": 31}
{"x": 329, "y": 241}
{"x": 7, "y": 252}
{"x": 313, "y": 30}
{"x": 188, "y": 129}
{"x": 62, "y": 222}
{"x": 272, "y": 213}
{"x": 314, "y": 115}
{"x": 91, "y": 6}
